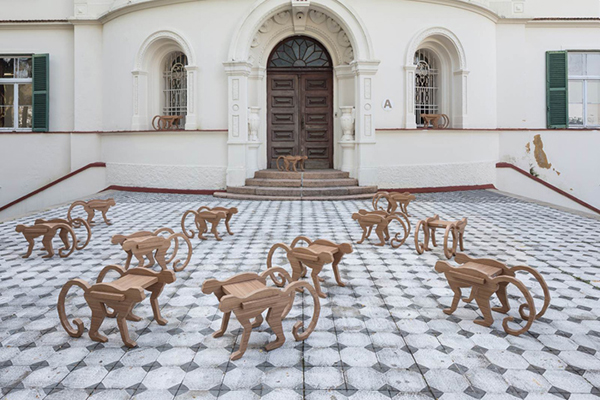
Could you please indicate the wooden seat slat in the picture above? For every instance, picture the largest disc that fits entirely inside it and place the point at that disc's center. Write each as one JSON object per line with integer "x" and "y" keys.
{"x": 129, "y": 281}
{"x": 243, "y": 289}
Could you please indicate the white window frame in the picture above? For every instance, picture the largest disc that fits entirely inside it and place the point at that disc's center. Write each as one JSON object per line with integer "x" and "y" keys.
{"x": 15, "y": 82}
{"x": 584, "y": 79}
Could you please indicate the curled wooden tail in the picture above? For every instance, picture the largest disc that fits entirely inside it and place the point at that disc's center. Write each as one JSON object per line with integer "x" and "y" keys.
{"x": 529, "y": 305}
{"x": 542, "y": 283}
{"x": 61, "y": 251}
{"x": 317, "y": 310}
{"x": 278, "y": 282}
{"x": 189, "y": 255}
{"x": 78, "y": 222}
{"x": 72, "y": 206}
{"x": 191, "y": 232}
{"x": 281, "y": 273}
{"x": 175, "y": 248}
{"x": 421, "y": 247}
{"x": 60, "y": 307}
{"x": 397, "y": 239}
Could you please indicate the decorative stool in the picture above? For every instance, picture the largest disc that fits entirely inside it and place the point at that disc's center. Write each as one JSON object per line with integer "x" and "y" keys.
{"x": 457, "y": 228}
{"x": 315, "y": 256}
{"x": 394, "y": 200}
{"x": 213, "y": 215}
{"x": 291, "y": 161}
{"x": 438, "y": 121}
{"x": 381, "y": 219}
{"x": 248, "y": 296}
{"x": 48, "y": 230}
{"x": 90, "y": 207}
{"x": 153, "y": 247}
{"x": 120, "y": 295}
{"x": 486, "y": 277}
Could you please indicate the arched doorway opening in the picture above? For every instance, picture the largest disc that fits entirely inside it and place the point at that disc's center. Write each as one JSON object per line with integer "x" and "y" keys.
{"x": 300, "y": 102}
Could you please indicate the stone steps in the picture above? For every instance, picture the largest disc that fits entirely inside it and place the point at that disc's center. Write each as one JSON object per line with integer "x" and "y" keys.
{"x": 307, "y": 185}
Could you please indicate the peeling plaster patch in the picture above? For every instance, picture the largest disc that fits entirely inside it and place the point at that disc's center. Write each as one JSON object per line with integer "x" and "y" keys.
{"x": 528, "y": 148}
{"x": 540, "y": 155}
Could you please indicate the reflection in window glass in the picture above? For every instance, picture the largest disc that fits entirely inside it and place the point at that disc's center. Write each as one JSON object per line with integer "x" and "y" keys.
{"x": 593, "y": 103}
{"x": 25, "y": 106}
{"x": 584, "y": 89}
{"x": 576, "y": 103}
{"x": 7, "y": 67}
{"x": 24, "y": 67}
{"x": 7, "y": 95}
{"x": 16, "y": 99}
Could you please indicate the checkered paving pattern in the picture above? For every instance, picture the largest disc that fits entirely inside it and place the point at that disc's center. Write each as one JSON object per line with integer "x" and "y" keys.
{"x": 382, "y": 336}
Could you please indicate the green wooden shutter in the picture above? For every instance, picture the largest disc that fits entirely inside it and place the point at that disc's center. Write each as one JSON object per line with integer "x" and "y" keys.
{"x": 557, "y": 80}
{"x": 41, "y": 84}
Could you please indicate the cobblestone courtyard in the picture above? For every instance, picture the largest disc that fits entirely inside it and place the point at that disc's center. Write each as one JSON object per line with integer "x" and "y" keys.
{"x": 382, "y": 336}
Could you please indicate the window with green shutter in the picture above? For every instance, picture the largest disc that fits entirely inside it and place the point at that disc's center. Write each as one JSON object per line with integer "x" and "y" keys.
{"x": 557, "y": 101}
{"x": 41, "y": 83}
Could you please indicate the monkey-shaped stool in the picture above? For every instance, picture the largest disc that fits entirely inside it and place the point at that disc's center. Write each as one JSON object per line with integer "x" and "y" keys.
{"x": 381, "y": 220}
{"x": 48, "y": 229}
{"x": 90, "y": 207}
{"x": 149, "y": 245}
{"x": 394, "y": 200}
{"x": 120, "y": 295}
{"x": 291, "y": 161}
{"x": 314, "y": 256}
{"x": 456, "y": 228}
{"x": 206, "y": 214}
{"x": 248, "y": 296}
{"x": 486, "y": 277}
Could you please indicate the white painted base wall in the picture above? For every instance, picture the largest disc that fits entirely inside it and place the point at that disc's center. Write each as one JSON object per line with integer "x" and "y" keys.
{"x": 81, "y": 185}
{"x": 510, "y": 181}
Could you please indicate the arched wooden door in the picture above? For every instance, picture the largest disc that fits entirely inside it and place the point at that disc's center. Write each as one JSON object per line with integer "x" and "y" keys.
{"x": 300, "y": 102}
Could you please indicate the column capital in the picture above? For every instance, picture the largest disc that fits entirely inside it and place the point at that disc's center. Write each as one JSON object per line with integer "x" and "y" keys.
{"x": 238, "y": 68}
{"x": 365, "y": 67}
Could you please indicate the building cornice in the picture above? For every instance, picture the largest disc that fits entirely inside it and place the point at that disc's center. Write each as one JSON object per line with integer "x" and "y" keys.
{"x": 35, "y": 24}
{"x": 464, "y": 5}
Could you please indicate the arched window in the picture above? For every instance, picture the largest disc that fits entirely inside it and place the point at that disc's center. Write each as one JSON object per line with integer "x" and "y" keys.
{"x": 299, "y": 51}
{"x": 426, "y": 84}
{"x": 175, "y": 84}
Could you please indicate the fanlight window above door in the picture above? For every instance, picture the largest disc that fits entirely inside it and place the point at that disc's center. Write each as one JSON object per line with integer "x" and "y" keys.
{"x": 299, "y": 52}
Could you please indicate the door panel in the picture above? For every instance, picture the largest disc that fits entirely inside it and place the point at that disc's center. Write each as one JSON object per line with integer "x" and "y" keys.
{"x": 300, "y": 117}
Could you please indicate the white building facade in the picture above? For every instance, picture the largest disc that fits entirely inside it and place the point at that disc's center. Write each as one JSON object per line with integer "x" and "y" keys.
{"x": 342, "y": 81}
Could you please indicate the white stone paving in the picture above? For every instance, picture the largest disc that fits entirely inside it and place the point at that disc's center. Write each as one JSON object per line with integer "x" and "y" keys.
{"x": 382, "y": 336}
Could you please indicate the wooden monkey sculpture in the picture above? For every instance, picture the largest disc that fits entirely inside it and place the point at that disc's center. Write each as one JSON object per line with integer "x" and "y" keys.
{"x": 248, "y": 296}
{"x": 149, "y": 245}
{"x": 48, "y": 229}
{"x": 291, "y": 161}
{"x": 456, "y": 228}
{"x": 206, "y": 214}
{"x": 486, "y": 277}
{"x": 120, "y": 295}
{"x": 436, "y": 121}
{"x": 314, "y": 256}
{"x": 90, "y": 207}
{"x": 381, "y": 220}
{"x": 394, "y": 200}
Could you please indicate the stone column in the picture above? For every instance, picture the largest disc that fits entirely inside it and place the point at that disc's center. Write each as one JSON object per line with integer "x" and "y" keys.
{"x": 410, "y": 119}
{"x": 191, "y": 118}
{"x": 139, "y": 120}
{"x": 253, "y": 143}
{"x": 460, "y": 94}
{"x": 237, "y": 76}
{"x": 366, "y": 157}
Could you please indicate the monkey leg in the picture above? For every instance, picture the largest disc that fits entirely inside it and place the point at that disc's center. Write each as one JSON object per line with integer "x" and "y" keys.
{"x": 364, "y": 235}
{"x": 247, "y": 326}
{"x": 156, "y": 290}
{"x": 379, "y": 231}
{"x": 213, "y": 230}
{"x": 432, "y": 234}
{"x": 30, "y": 247}
{"x": 224, "y": 323}
{"x": 47, "y": 242}
{"x": 501, "y": 293}
{"x": 455, "y": 299}
{"x": 316, "y": 282}
{"x": 274, "y": 321}
{"x": 98, "y": 314}
{"x": 64, "y": 237}
{"x": 106, "y": 220}
{"x": 123, "y": 329}
{"x": 90, "y": 215}
{"x": 483, "y": 301}
{"x": 336, "y": 272}
{"x": 257, "y": 321}
{"x": 227, "y": 223}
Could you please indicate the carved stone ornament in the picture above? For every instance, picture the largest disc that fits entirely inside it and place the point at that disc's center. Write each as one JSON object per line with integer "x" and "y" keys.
{"x": 253, "y": 123}
{"x": 347, "y": 123}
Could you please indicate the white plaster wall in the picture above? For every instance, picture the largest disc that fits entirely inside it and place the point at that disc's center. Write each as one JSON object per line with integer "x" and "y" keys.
{"x": 208, "y": 27}
{"x": 522, "y": 67}
{"x": 419, "y": 158}
{"x": 30, "y": 161}
{"x": 36, "y": 9}
{"x": 58, "y": 42}
{"x": 393, "y": 29}
{"x": 88, "y": 182}
{"x": 172, "y": 160}
{"x": 562, "y": 8}
{"x": 573, "y": 155}
{"x": 510, "y": 181}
